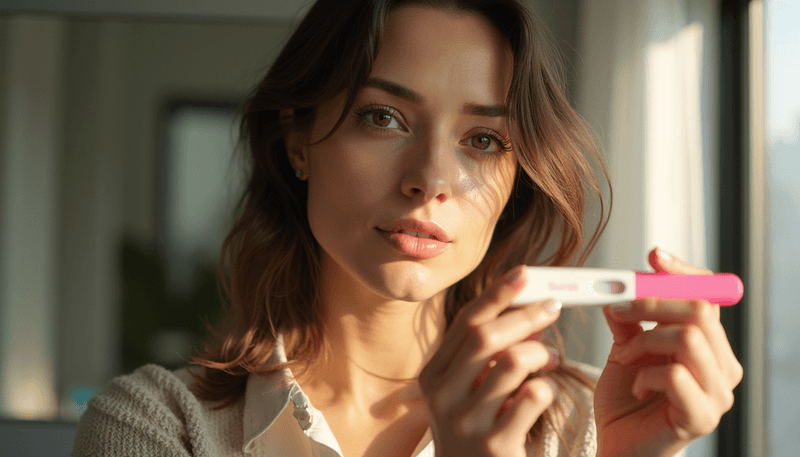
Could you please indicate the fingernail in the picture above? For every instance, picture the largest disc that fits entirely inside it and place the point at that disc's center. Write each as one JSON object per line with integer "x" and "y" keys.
{"x": 621, "y": 308}
{"x": 551, "y": 305}
{"x": 664, "y": 255}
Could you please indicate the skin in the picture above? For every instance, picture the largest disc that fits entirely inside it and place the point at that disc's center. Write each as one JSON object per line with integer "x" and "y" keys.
{"x": 383, "y": 311}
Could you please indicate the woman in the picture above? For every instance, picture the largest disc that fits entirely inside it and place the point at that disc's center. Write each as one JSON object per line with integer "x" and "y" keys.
{"x": 433, "y": 154}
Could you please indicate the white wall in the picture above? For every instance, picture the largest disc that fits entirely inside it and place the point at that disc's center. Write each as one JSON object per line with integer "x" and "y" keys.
{"x": 29, "y": 187}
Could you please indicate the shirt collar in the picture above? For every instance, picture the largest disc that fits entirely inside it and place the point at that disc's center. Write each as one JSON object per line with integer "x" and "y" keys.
{"x": 265, "y": 398}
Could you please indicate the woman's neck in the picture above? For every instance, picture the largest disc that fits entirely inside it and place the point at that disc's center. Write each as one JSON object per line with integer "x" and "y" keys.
{"x": 377, "y": 347}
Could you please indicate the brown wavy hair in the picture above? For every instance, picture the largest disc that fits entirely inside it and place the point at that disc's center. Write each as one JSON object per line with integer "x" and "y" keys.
{"x": 269, "y": 269}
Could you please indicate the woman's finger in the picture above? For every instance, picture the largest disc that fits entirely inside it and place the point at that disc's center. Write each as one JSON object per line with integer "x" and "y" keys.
{"x": 685, "y": 344}
{"x": 661, "y": 310}
{"x": 485, "y": 308}
{"x": 691, "y": 412}
{"x": 527, "y": 404}
{"x": 664, "y": 262}
{"x": 621, "y": 331}
{"x": 691, "y": 312}
{"x": 509, "y": 370}
{"x": 729, "y": 364}
{"x": 484, "y": 342}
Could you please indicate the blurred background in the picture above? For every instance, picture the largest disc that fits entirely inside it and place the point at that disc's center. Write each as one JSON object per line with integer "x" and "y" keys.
{"x": 118, "y": 120}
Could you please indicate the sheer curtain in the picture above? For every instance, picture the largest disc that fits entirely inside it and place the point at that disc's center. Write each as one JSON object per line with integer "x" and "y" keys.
{"x": 646, "y": 86}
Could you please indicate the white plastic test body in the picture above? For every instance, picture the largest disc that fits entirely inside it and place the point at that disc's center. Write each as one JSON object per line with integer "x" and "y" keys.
{"x": 599, "y": 286}
{"x": 578, "y": 286}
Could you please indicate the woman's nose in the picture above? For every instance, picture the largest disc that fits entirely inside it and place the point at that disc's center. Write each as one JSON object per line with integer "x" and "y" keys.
{"x": 427, "y": 176}
{"x": 433, "y": 189}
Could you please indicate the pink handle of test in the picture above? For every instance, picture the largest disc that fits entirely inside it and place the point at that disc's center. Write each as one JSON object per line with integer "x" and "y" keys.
{"x": 724, "y": 289}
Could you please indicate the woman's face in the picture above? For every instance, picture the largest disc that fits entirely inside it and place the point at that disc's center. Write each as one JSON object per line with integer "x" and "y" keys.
{"x": 427, "y": 139}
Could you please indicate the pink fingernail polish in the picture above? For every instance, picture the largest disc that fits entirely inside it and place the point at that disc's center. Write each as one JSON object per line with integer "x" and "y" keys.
{"x": 664, "y": 255}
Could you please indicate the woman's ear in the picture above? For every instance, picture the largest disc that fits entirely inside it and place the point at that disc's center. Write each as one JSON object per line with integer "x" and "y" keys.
{"x": 293, "y": 140}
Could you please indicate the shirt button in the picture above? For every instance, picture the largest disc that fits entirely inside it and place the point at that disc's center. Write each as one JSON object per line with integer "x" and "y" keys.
{"x": 304, "y": 418}
{"x": 301, "y": 410}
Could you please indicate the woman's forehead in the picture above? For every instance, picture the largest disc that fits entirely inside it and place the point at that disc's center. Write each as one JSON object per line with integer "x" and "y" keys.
{"x": 444, "y": 55}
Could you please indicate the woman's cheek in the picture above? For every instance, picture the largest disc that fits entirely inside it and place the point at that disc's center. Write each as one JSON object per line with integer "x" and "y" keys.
{"x": 469, "y": 186}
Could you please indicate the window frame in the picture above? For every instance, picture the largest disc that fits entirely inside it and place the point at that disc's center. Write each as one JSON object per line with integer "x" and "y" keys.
{"x": 742, "y": 208}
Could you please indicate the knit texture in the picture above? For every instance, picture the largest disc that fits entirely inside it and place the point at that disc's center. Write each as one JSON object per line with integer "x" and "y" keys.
{"x": 152, "y": 412}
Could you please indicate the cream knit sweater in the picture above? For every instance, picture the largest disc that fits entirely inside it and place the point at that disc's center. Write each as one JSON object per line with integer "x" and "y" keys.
{"x": 152, "y": 412}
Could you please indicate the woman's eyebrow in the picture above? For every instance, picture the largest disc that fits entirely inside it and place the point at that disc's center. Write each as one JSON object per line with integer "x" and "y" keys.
{"x": 414, "y": 97}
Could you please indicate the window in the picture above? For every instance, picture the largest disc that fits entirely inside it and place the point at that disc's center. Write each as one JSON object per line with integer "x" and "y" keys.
{"x": 198, "y": 188}
{"x": 782, "y": 141}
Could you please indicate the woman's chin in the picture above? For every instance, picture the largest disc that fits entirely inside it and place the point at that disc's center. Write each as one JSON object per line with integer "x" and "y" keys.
{"x": 403, "y": 292}
{"x": 409, "y": 287}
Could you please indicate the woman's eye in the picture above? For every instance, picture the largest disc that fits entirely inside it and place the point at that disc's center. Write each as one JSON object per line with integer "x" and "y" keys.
{"x": 382, "y": 119}
{"x": 487, "y": 143}
{"x": 378, "y": 117}
{"x": 482, "y": 142}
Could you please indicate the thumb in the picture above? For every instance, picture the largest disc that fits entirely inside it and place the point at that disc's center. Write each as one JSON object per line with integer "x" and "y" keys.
{"x": 664, "y": 262}
{"x": 622, "y": 331}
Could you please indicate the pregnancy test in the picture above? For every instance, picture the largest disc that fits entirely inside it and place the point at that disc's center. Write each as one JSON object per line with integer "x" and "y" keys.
{"x": 599, "y": 286}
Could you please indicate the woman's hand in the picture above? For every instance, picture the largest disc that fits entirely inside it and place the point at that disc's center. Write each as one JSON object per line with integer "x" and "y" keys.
{"x": 478, "y": 395}
{"x": 668, "y": 386}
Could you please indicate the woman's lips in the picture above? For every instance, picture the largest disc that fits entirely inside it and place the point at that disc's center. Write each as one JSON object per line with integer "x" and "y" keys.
{"x": 421, "y": 248}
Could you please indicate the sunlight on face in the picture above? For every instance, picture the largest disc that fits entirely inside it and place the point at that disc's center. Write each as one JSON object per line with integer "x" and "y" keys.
{"x": 426, "y": 140}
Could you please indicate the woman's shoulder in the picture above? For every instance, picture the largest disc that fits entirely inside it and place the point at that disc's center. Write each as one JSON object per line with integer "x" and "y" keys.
{"x": 151, "y": 411}
{"x": 161, "y": 393}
